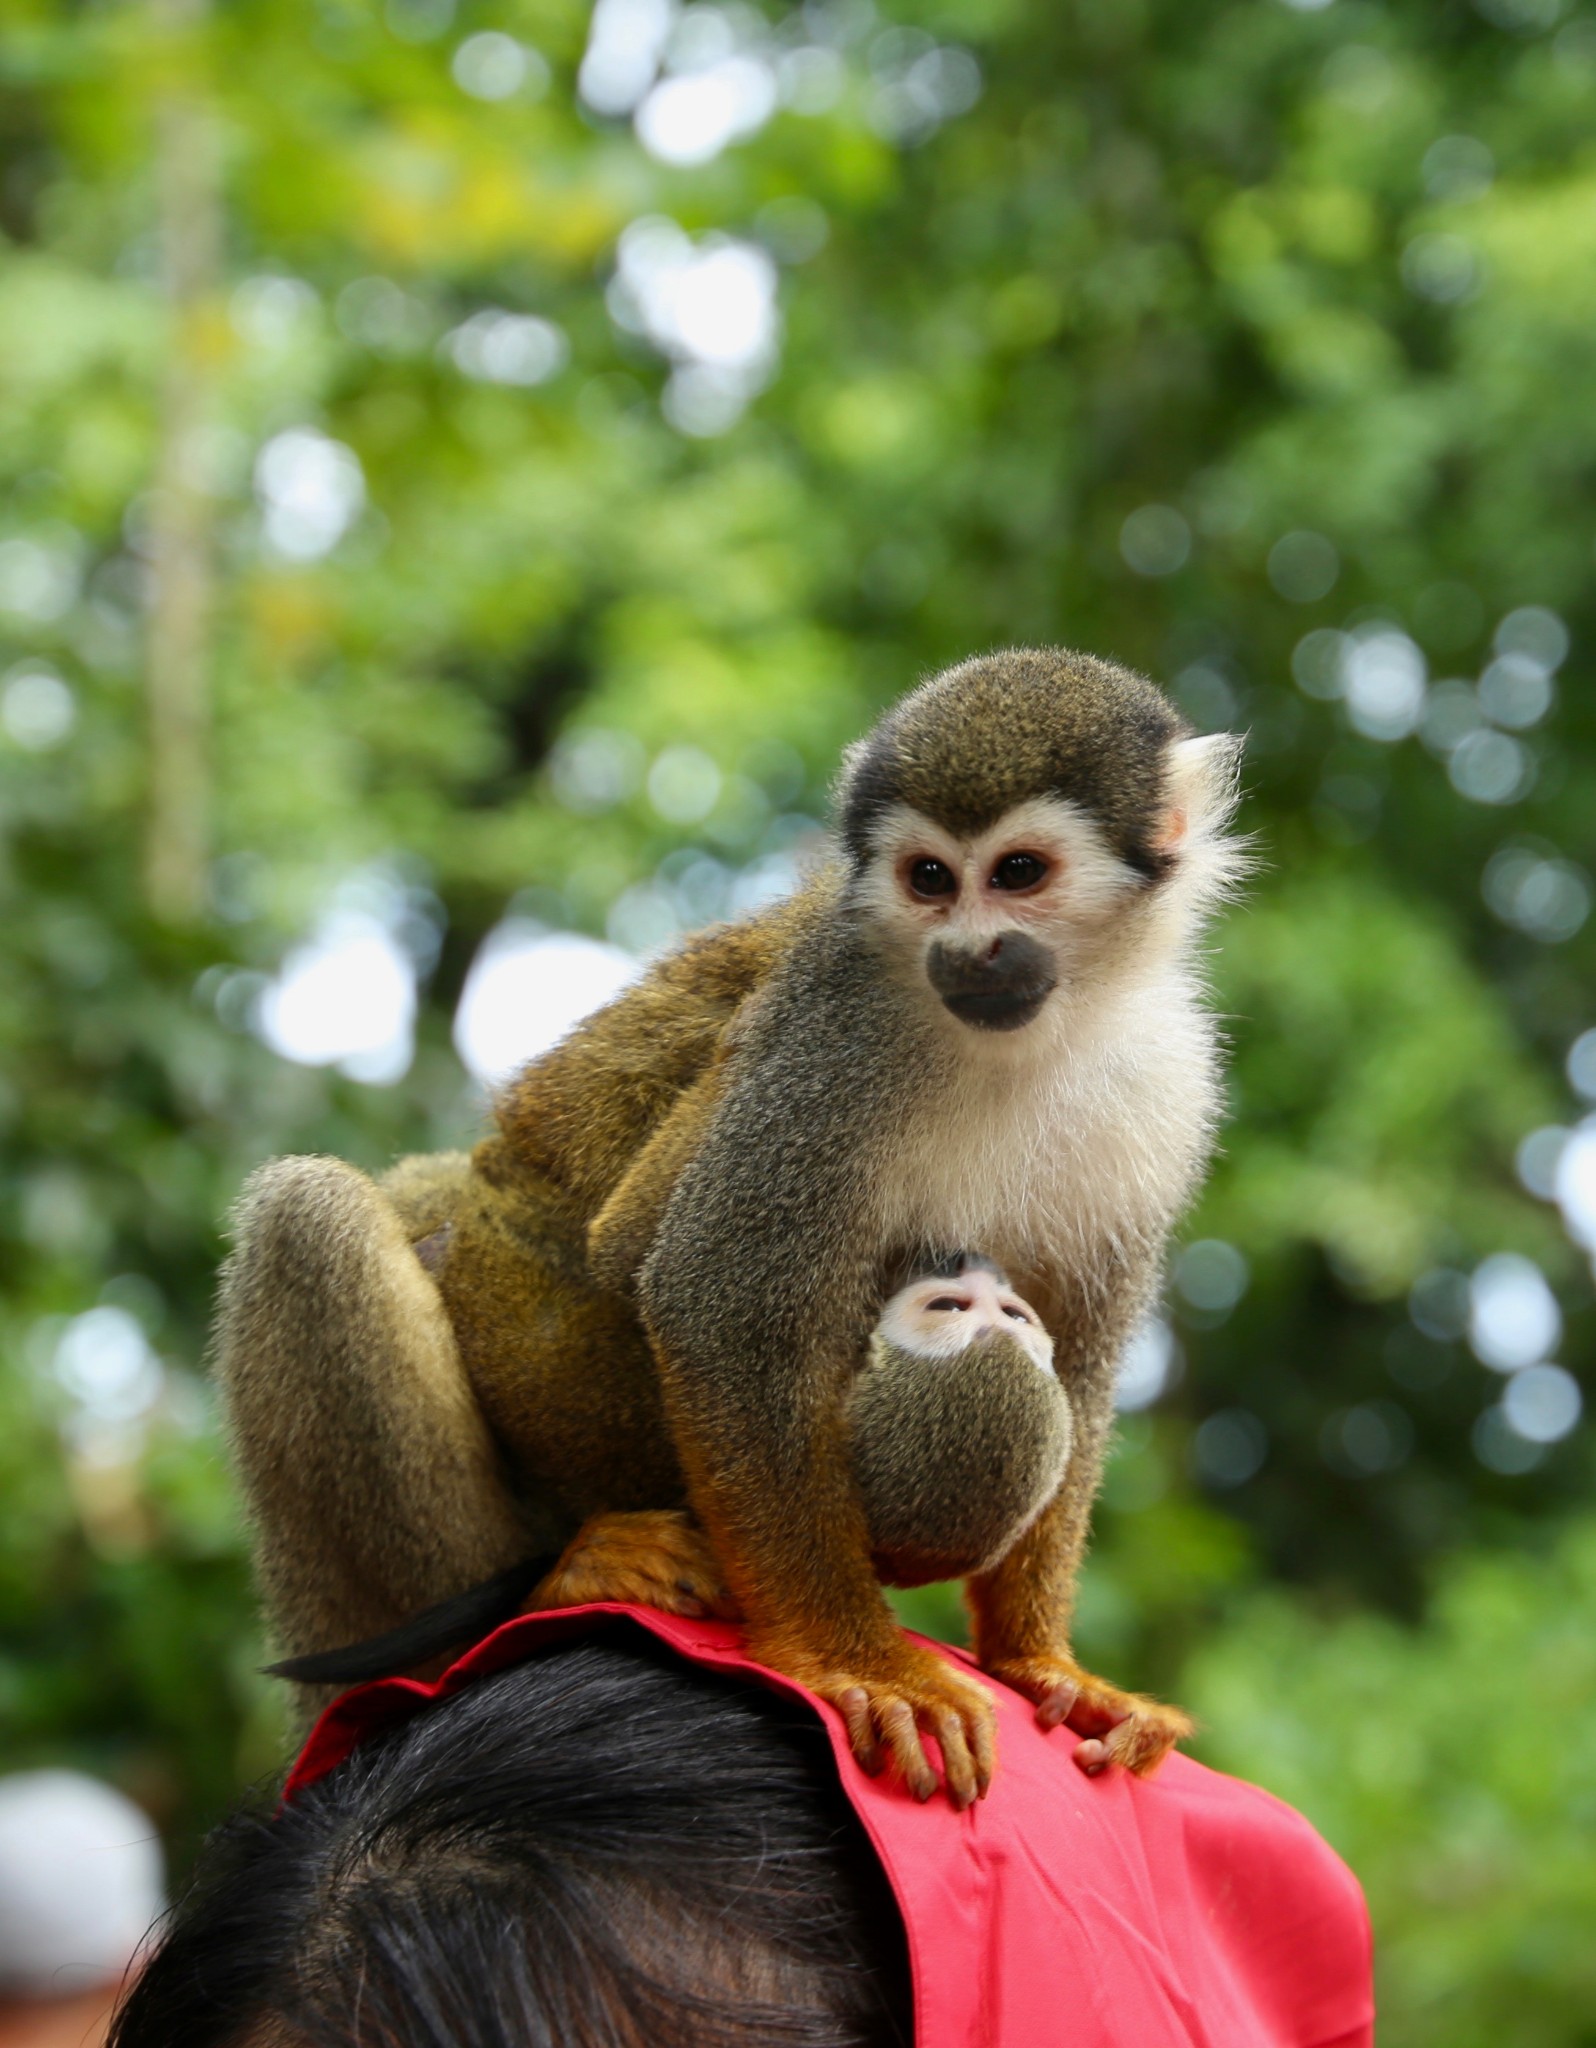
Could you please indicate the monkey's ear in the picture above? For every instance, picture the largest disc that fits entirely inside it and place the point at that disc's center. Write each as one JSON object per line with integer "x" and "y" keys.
{"x": 1204, "y": 787}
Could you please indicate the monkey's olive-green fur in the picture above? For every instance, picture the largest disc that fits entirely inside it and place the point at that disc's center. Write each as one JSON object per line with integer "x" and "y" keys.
{"x": 955, "y": 1457}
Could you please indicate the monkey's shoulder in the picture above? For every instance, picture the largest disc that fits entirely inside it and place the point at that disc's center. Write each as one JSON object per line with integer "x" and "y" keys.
{"x": 580, "y": 1114}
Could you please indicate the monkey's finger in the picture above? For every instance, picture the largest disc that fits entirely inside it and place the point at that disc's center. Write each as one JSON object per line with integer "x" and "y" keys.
{"x": 1057, "y": 1705}
{"x": 1091, "y": 1756}
{"x": 898, "y": 1731}
{"x": 982, "y": 1730}
{"x": 711, "y": 1596}
{"x": 958, "y": 1766}
{"x": 854, "y": 1707}
{"x": 1142, "y": 1741}
{"x": 1096, "y": 1716}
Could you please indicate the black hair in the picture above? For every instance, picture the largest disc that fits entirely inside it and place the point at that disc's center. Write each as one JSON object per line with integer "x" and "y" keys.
{"x": 603, "y": 1847}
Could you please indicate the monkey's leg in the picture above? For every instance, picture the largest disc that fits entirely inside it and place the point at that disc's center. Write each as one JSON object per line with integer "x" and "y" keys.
{"x": 372, "y": 1485}
{"x": 646, "y": 1558}
{"x": 1022, "y": 1610}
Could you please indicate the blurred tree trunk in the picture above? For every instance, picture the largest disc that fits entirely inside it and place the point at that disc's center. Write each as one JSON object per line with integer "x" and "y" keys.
{"x": 188, "y": 198}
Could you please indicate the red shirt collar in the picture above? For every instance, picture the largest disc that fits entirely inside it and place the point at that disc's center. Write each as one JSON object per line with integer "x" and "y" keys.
{"x": 1188, "y": 1910}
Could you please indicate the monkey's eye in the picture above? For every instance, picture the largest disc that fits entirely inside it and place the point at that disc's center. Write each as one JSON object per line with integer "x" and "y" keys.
{"x": 947, "y": 1303}
{"x": 1019, "y": 871}
{"x": 1012, "y": 1309}
{"x": 932, "y": 878}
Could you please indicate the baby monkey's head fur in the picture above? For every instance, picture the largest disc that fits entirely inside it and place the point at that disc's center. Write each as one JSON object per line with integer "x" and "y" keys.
{"x": 1036, "y": 821}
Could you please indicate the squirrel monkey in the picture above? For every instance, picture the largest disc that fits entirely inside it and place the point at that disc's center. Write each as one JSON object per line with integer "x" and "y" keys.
{"x": 958, "y": 1434}
{"x": 981, "y": 1024}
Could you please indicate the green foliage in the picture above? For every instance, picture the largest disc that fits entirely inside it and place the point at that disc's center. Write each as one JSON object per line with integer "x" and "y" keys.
{"x": 1197, "y": 336}
{"x": 1455, "y": 1768}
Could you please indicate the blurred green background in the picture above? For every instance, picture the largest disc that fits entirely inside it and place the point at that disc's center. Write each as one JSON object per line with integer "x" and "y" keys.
{"x": 469, "y": 469}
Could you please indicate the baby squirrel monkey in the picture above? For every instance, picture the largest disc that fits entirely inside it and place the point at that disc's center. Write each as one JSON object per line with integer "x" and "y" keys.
{"x": 981, "y": 1024}
{"x": 959, "y": 1435}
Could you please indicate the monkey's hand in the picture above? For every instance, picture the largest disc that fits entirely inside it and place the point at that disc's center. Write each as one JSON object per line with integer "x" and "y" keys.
{"x": 656, "y": 1558}
{"x": 895, "y": 1698}
{"x": 1120, "y": 1727}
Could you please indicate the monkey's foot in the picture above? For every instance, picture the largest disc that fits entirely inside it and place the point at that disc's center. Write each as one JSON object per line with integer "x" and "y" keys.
{"x": 654, "y": 1558}
{"x": 1121, "y": 1727}
{"x": 891, "y": 1704}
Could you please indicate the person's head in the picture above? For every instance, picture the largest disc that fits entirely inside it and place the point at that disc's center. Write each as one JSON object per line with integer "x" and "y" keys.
{"x": 601, "y": 1848}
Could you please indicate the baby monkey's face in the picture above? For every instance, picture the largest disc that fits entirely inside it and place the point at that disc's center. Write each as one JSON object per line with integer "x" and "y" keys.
{"x": 936, "y": 1317}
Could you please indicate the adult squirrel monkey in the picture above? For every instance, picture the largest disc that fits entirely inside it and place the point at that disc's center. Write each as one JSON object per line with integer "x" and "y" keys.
{"x": 981, "y": 1024}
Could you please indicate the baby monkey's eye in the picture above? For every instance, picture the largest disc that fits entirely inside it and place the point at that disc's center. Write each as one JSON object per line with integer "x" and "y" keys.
{"x": 1013, "y": 1309}
{"x": 933, "y": 878}
{"x": 947, "y": 1302}
{"x": 1019, "y": 871}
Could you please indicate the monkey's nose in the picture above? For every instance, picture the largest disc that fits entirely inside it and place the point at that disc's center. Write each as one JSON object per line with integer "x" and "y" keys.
{"x": 986, "y": 1306}
{"x": 998, "y": 986}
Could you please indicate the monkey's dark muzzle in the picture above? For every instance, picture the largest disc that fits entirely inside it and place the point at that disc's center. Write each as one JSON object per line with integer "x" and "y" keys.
{"x": 998, "y": 988}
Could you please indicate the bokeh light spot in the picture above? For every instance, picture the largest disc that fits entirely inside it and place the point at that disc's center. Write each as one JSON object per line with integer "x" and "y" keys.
{"x": 1514, "y": 1319}
{"x": 525, "y": 990}
{"x": 684, "y": 785}
{"x": 1549, "y": 899}
{"x": 1580, "y": 1065}
{"x": 311, "y": 489}
{"x": 1535, "y": 634}
{"x": 1537, "y": 1158}
{"x": 1499, "y": 1447}
{"x": 1366, "y": 1440}
{"x": 1211, "y": 1274}
{"x": 494, "y": 66}
{"x": 1303, "y": 567}
{"x": 37, "y": 709}
{"x": 1542, "y": 1403}
{"x": 1383, "y": 683}
{"x": 508, "y": 348}
{"x": 626, "y": 39}
{"x": 1229, "y": 1448}
{"x": 1150, "y": 1367}
{"x": 1575, "y": 1186}
{"x": 1516, "y": 691}
{"x": 1155, "y": 541}
{"x": 1491, "y": 768}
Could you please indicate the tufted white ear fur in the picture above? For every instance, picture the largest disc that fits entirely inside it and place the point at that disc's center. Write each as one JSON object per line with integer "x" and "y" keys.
{"x": 1204, "y": 789}
{"x": 1204, "y": 785}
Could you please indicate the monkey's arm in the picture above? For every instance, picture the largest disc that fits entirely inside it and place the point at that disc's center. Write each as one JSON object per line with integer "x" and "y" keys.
{"x": 758, "y": 1297}
{"x": 621, "y": 1235}
{"x": 370, "y": 1479}
{"x": 769, "y": 1477}
{"x": 1022, "y": 1609}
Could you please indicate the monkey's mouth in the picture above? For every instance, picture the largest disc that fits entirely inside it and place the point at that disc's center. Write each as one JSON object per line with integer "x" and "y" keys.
{"x": 1008, "y": 1009}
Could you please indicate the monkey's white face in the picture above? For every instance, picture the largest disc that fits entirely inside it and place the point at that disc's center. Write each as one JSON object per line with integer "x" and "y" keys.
{"x": 940, "y": 1318}
{"x": 996, "y": 923}
{"x": 1041, "y": 902}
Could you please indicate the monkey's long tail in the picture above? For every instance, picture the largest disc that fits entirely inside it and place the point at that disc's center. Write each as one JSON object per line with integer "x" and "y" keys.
{"x": 461, "y": 1619}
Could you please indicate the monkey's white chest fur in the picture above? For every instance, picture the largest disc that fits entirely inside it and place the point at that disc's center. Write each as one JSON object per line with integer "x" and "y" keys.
{"x": 1052, "y": 1156}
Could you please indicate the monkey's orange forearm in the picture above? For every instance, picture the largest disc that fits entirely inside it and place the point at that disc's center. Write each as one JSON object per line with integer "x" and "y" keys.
{"x": 784, "y": 1518}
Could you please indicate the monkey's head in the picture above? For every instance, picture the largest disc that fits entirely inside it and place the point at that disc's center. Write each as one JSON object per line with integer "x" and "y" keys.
{"x": 1025, "y": 821}
{"x": 941, "y": 1312}
{"x": 958, "y": 1427}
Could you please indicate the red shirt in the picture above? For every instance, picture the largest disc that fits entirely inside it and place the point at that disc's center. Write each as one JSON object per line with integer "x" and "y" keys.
{"x": 1186, "y": 1910}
